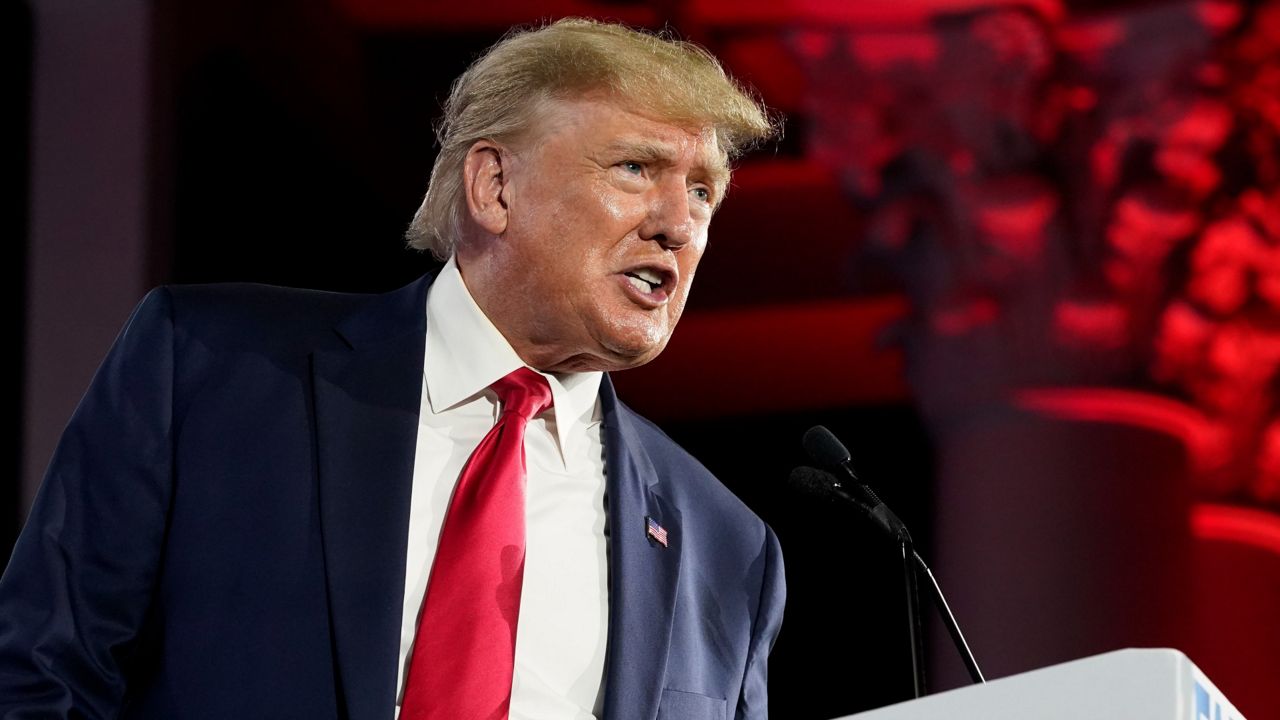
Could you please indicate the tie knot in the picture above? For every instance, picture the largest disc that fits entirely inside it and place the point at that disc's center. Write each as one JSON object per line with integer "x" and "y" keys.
{"x": 523, "y": 392}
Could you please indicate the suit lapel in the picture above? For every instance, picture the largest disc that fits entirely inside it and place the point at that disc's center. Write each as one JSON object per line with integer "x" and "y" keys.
{"x": 367, "y": 397}
{"x": 643, "y": 574}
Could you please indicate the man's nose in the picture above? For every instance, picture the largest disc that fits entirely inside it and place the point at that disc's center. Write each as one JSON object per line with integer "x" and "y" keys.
{"x": 669, "y": 221}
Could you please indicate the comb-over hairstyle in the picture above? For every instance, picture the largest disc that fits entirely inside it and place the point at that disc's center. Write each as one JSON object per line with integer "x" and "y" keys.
{"x": 499, "y": 96}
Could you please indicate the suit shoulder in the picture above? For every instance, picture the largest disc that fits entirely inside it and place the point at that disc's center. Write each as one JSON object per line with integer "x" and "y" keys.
{"x": 685, "y": 476}
{"x": 252, "y": 302}
{"x": 230, "y": 315}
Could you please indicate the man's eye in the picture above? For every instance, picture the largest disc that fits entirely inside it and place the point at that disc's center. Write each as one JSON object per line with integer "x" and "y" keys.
{"x": 632, "y": 167}
{"x": 702, "y": 194}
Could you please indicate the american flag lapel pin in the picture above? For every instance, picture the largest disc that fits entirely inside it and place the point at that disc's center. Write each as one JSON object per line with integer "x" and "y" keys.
{"x": 655, "y": 531}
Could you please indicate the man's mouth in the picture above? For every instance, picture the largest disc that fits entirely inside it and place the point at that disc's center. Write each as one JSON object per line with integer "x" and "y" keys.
{"x": 645, "y": 280}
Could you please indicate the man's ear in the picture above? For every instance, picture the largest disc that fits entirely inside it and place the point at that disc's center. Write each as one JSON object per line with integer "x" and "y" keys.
{"x": 484, "y": 178}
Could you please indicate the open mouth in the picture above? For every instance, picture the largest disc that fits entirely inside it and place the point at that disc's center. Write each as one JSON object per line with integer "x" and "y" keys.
{"x": 645, "y": 280}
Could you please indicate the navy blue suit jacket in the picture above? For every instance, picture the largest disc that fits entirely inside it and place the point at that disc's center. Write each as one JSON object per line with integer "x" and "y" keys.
{"x": 221, "y": 533}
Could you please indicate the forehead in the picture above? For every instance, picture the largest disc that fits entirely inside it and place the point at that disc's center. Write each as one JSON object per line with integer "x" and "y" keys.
{"x": 598, "y": 125}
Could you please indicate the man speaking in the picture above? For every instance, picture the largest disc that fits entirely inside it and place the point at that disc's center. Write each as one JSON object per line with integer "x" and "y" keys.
{"x": 278, "y": 503}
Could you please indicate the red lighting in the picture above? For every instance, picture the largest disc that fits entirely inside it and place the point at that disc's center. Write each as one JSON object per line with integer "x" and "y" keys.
{"x": 1228, "y": 523}
{"x": 818, "y": 355}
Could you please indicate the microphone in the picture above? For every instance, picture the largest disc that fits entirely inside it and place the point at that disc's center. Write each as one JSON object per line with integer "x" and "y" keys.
{"x": 826, "y": 486}
{"x": 821, "y": 484}
{"x": 827, "y": 450}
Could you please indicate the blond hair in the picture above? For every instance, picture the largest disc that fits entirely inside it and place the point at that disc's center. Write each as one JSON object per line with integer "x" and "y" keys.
{"x": 497, "y": 99}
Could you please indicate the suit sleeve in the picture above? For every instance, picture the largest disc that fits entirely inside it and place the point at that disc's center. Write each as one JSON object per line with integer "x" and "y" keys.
{"x": 754, "y": 702}
{"x": 81, "y": 580}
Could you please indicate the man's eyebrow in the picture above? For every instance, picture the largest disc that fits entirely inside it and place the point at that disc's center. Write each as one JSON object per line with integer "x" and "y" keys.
{"x": 640, "y": 149}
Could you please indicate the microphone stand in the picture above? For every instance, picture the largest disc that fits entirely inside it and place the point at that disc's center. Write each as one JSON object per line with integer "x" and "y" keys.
{"x": 948, "y": 619}
{"x": 913, "y": 616}
{"x": 827, "y": 450}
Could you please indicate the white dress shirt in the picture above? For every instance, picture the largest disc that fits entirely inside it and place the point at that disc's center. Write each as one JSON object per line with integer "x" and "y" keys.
{"x": 561, "y": 633}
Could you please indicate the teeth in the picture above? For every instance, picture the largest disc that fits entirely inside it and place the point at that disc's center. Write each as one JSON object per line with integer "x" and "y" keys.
{"x": 649, "y": 276}
{"x": 639, "y": 284}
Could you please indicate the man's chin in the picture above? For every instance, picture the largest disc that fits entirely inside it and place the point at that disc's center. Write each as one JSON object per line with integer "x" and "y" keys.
{"x": 616, "y": 355}
{"x": 634, "y": 361}
{"x": 634, "y": 351}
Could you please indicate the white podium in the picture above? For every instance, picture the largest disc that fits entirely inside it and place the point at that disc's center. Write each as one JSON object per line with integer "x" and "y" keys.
{"x": 1120, "y": 685}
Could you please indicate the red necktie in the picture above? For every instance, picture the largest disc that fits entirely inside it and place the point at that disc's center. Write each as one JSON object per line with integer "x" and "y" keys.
{"x": 465, "y": 648}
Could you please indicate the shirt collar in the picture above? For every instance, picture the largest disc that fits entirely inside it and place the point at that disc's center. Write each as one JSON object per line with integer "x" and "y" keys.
{"x": 465, "y": 354}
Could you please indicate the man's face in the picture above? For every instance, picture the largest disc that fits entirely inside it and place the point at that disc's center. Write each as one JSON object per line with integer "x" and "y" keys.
{"x": 606, "y": 214}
